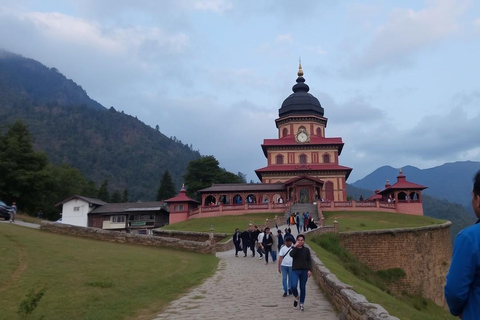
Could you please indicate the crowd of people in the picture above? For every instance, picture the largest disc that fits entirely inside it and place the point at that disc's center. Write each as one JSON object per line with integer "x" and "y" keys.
{"x": 303, "y": 221}
{"x": 294, "y": 260}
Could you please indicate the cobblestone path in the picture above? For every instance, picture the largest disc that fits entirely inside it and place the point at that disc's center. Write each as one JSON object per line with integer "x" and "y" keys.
{"x": 246, "y": 288}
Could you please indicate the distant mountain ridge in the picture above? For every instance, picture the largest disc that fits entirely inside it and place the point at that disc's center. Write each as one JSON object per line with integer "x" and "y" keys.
{"x": 72, "y": 128}
{"x": 24, "y": 79}
{"x": 450, "y": 181}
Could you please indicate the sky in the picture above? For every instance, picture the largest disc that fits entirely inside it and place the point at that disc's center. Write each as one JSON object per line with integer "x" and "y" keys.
{"x": 399, "y": 80}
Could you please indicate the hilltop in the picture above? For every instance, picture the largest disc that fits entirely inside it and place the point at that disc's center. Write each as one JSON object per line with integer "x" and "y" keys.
{"x": 73, "y": 128}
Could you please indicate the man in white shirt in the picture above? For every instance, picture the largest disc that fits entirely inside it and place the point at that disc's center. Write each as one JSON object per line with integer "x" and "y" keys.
{"x": 285, "y": 262}
{"x": 259, "y": 243}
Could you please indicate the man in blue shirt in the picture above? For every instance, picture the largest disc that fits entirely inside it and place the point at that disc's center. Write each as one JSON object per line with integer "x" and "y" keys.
{"x": 462, "y": 290}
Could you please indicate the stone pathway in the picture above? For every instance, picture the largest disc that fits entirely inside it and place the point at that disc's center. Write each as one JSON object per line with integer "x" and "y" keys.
{"x": 23, "y": 224}
{"x": 246, "y": 288}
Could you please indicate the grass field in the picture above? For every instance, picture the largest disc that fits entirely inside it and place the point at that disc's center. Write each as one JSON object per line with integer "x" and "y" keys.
{"x": 224, "y": 224}
{"x": 359, "y": 221}
{"x": 88, "y": 279}
{"x": 405, "y": 307}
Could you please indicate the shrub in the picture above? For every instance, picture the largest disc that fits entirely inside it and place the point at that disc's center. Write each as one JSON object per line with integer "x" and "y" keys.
{"x": 30, "y": 302}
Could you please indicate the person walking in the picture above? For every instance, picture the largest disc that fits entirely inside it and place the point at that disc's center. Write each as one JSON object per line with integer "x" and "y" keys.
{"x": 300, "y": 222}
{"x": 280, "y": 241}
{"x": 267, "y": 242}
{"x": 301, "y": 270}
{"x": 245, "y": 236}
{"x": 237, "y": 239}
{"x": 274, "y": 246}
{"x": 462, "y": 290}
{"x": 13, "y": 212}
{"x": 260, "y": 237}
{"x": 252, "y": 239}
{"x": 285, "y": 266}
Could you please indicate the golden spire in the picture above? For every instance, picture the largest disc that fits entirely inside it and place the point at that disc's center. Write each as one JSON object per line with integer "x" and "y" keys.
{"x": 300, "y": 71}
{"x": 401, "y": 171}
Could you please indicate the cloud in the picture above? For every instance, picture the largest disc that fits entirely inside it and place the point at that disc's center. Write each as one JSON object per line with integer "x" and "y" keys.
{"x": 476, "y": 24}
{"x": 287, "y": 37}
{"x": 408, "y": 31}
{"x": 355, "y": 110}
{"x": 217, "y": 6}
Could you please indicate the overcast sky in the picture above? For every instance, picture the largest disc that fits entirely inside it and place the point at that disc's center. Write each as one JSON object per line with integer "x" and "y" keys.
{"x": 399, "y": 80}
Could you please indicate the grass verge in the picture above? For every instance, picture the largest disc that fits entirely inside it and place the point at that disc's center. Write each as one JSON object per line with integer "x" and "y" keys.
{"x": 405, "y": 307}
{"x": 88, "y": 279}
{"x": 223, "y": 224}
{"x": 366, "y": 220}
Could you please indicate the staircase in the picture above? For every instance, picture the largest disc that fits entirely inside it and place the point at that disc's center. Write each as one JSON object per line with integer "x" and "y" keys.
{"x": 305, "y": 207}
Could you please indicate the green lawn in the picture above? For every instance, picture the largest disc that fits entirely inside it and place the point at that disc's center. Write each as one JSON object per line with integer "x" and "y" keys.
{"x": 224, "y": 224}
{"x": 359, "y": 220}
{"x": 405, "y": 308}
{"x": 88, "y": 279}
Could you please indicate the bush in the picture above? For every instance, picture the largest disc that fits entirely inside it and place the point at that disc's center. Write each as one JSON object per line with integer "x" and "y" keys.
{"x": 30, "y": 302}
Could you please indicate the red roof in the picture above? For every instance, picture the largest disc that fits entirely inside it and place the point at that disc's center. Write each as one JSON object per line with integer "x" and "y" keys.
{"x": 289, "y": 141}
{"x": 402, "y": 183}
{"x": 303, "y": 167}
{"x": 303, "y": 177}
{"x": 181, "y": 197}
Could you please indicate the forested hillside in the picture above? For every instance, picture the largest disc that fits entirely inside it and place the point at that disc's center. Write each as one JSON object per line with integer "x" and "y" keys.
{"x": 71, "y": 128}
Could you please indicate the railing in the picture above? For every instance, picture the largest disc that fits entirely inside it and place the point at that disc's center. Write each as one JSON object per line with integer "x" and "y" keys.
{"x": 233, "y": 207}
{"x": 342, "y": 204}
{"x": 193, "y": 212}
{"x": 280, "y": 205}
{"x": 210, "y": 209}
{"x": 366, "y": 204}
{"x": 258, "y": 206}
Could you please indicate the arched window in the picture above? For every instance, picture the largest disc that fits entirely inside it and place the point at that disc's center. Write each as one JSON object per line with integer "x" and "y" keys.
{"x": 210, "y": 201}
{"x": 279, "y": 159}
{"x": 224, "y": 199}
{"x": 237, "y": 199}
{"x": 284, "y": 132}
{"x": 302, "y": 128}
{"x": 319, "y": 132}
{"x": 303, "y": 158}
{"x": 402, "y": 196}
{"x": 326, "y": 158}
{"x": 251, "y": 198}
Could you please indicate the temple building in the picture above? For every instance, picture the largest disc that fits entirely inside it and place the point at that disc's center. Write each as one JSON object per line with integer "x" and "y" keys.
{"x": 302, "y": 168}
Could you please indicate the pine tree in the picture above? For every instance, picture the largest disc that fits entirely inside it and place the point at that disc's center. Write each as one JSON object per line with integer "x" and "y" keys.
{"x": 125, "y": 195}
{"x": 167, "y": 188}
{"x": 116, "y": 197}
{"x": 103, "y": 191}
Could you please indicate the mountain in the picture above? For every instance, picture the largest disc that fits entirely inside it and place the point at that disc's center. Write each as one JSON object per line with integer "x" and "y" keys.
{"x": 23, "y": 79}
{"x": 450, "y": 181}
{"x": 432, "y": 207}
{"x": 72, "y": 128}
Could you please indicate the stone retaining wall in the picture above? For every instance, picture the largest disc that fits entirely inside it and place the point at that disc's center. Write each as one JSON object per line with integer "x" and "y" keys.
{"x": 191, "y": 235}
{"x": 424, "y": 254}
{"x": 138, "y": 239}
{"x": 353, "y": 305}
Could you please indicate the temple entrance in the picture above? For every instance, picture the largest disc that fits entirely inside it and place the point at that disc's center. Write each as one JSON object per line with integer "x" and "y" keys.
{"x": 304, "y": 195}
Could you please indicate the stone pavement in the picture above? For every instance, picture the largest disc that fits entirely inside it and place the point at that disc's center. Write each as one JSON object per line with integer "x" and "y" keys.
{"x": 246, "y": 288}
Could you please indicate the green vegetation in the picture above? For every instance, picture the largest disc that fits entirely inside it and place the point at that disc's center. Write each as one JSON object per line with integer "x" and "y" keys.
{"x": 167, "y": 187}
{"x": 204, "y": 172}
{"x": 359, "y": 220}
{"x": 380, "y": 279}
{"x": 73, "y": 129}
{"x": 405, "y": 307}
{"x": 74, "y": 278}
{"x": 224, "y": 224}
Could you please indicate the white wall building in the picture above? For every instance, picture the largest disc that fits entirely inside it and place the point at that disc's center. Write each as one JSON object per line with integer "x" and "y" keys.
{"x": 75, "y": 209}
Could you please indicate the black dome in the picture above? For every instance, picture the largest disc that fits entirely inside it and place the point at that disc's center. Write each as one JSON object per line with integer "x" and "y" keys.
{"x": 300, "y": 102}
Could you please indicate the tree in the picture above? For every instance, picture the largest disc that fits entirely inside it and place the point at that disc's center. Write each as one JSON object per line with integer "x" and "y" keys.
{"x": 22, "y": 170}
{"x": 103, "y": 192}
{"x": 203, "y": 172}
{"x": 242, "y": 177}
{"x": 116, "y": 197}
{"x": 125, "y": 195}
{"x": 167, "y": 187}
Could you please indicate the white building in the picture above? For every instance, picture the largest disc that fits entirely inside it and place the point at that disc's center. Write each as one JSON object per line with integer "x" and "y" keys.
{"x": 75, "y": 209}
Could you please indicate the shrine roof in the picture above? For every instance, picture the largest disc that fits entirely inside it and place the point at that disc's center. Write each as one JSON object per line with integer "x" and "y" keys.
{"x": 239, "y": 187}
{"x": 181, "y": 197}
{"x": 403, "y": 184}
